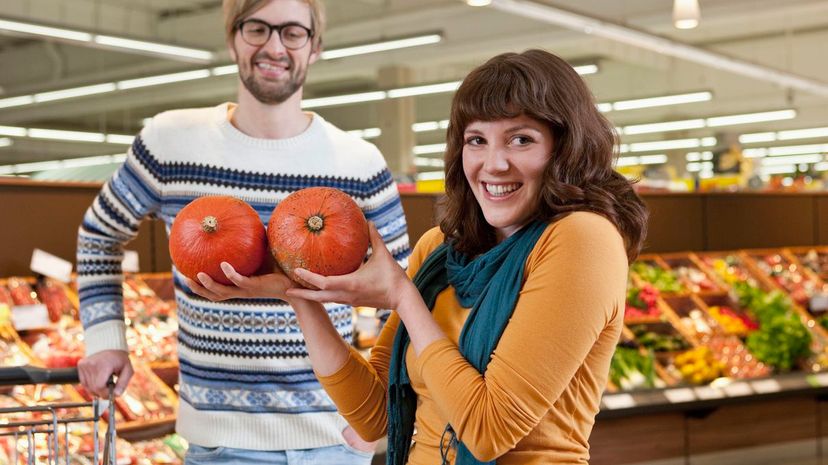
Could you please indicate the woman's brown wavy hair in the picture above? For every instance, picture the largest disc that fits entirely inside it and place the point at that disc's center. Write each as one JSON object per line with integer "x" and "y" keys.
{"x": 580, "y": 174}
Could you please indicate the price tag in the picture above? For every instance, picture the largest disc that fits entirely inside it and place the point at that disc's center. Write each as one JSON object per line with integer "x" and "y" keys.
{"x": 766, "y": 386}
{"x": 618, "y": 401}
{"x": 30, "y": 317}
{"x": 130, "y": 263}
{"x": 819, "y": 302}
{"x": 707, "y": 392}
{"x": 738, "y": 389}
{"x": 49, "y": 265}
{"x": 821, "y": 379}
{"x": 677, "y": 396}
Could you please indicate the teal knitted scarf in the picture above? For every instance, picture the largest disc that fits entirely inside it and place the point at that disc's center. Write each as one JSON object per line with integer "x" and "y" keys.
{"x": 489, "y": 284}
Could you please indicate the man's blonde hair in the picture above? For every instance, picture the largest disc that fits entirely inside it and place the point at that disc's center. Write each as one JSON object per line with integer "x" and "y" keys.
{"x": 237, "y": 10}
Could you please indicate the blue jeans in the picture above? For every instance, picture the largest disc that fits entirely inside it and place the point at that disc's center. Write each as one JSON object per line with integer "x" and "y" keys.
{"x": 332, "y": 455}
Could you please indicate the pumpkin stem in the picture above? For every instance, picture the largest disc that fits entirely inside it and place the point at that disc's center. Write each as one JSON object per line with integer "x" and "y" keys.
{"x": 315, "y": 223}
{"x": 209, "y": 224}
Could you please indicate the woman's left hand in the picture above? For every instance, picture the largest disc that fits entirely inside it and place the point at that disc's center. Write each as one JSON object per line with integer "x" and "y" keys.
{"x": 267, "y": 286}
{"x": 379, "y": 283}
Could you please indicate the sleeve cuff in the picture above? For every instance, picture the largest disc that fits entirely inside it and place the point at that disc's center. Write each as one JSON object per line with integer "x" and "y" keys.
{"x": 107, "y": 335}
{"x": 340, "y": 375}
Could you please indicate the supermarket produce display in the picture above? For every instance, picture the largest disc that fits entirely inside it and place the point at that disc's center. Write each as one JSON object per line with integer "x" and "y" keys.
{"x": 701, "y": 330}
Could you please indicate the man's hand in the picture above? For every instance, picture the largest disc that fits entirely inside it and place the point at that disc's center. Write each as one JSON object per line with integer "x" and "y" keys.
{"x": 94, "y": 372}
{"x": 356, "y": 442}
{"x": 272, "y": 285}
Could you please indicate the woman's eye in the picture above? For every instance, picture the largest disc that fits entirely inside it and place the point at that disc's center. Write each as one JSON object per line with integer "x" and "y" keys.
{"x": 475, "y": 140}
{"x": 522, "y": 140}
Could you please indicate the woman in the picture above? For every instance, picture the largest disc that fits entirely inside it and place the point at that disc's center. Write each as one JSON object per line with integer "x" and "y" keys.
{"x": 515, "y": 302}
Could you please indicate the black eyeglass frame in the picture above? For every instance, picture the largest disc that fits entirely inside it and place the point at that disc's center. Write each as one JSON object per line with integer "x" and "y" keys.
{"x": 274, "y": 27}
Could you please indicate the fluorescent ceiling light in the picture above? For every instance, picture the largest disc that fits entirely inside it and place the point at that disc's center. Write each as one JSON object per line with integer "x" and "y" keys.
{"x": 429, "y": 162}
{"x": 430, "y": 148}
{"x": 66, "y": 135}
{"x": 62, "y": 164}
{"x": 671, "y": 144}
{"x": 381, "y": 46}
{"x": 120, "y": 43}
{"x": 5, "y": 142}
{"x": 369, "y": 133}
{"x": 343, "y": 99}
{"x": 119, "y": 139}
{"x": 163, "y": 79}
{"x": 676, "y": 99}
{"x": 46, "y": 31}
{"x": 604, "y": 107}
{"x": 821, "y": 166}
{"x": 155, "y": 48}
{"x": 784, "y": 169}
{"x": 750, "y": 118}
{"x": 54, "y": 134}
{"x": 431, "y": 176}
{"x": 661, "y": 45}
{"x": 686, "y": 14}
{"x": 424, "y": 90}
{"x": 795, "y": 159}
{"x": 223, "y": 70}
{"x": 16, "y": 101}
{"x": 584, "y": 70}
{"x": 810, "y": 133}
{"x": 478, "y": 2}
{"x": 662, "y": 127}
{"x": 797, "y": 149}
{"x": 74, "y": 92}
{"x": 757, "y": 137}
{"x": 12, "y": 131}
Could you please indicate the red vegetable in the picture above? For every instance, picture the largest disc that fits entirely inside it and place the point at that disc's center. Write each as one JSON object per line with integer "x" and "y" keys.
{"x": 215, "y": 229}
{"x": 320, "y": 229}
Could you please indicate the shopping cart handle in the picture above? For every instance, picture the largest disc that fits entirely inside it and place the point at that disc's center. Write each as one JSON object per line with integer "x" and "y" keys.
{"x": 35, "y": 375}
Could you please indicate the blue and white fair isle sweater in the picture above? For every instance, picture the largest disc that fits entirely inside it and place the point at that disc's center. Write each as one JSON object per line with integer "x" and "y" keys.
{"x": 246, "y": 380}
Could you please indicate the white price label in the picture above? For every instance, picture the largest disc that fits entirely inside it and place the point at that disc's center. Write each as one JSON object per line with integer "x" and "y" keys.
{"x": 819, "y": 302}
{"x": 30, "y": 317}
{"x": 765, "y": 386}
{"x": 130, "y": 263}
{"x": 821, "y": 379}
{"x": 738, "y": 389}
{"x": 617, "y": 401}
{"x": 707, "y": 392}
{"x": 677, "y": 396}
{"x": 49, "y": 265}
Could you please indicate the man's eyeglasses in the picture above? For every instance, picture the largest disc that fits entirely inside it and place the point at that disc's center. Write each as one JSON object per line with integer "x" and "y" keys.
{"x": 257, "y": 32}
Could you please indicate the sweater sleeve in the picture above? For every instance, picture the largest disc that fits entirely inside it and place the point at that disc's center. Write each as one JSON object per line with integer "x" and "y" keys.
{"x": 132, "y": 194}
{"x": 574, "y": 288}
{"x": 359, "y": 389}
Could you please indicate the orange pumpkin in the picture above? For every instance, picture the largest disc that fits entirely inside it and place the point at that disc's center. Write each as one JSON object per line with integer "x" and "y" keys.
{"x": 320, "y": 229}
{"x": 215, "y": 229}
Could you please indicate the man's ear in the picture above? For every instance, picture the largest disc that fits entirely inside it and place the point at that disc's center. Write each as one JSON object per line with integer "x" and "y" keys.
{"x": 316, "y": 52}
{"x": 231, "y": 47}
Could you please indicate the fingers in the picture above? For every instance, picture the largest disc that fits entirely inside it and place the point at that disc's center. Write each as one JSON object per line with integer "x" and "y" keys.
{"x": 233, "y": 275}
{"x": 317, "y": 296}
{"x": 123, "y": 379}
{"x": 312, "y": 278}
{"x": 211, "y": 289}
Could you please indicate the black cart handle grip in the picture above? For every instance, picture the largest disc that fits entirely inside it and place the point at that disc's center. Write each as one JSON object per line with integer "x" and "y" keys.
{"x": 28, "y": 374}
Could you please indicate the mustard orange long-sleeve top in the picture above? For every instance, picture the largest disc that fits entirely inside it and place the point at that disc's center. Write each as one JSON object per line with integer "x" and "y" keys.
{"x": 541, "y": 391}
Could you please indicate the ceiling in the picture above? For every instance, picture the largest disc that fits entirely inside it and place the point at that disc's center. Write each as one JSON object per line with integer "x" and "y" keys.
{"x": 787, "y": 35}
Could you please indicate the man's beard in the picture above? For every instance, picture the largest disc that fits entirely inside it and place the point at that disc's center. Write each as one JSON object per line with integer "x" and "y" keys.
{"x": 272, "y": 92}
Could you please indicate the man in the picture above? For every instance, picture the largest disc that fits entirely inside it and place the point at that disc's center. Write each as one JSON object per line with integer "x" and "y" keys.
{"x": 247, "y": 390}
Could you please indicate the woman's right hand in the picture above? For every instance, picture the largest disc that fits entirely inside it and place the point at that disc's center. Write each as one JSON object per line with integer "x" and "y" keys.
{"x": 378, "y": 283}
{"x": 267, "y": 286}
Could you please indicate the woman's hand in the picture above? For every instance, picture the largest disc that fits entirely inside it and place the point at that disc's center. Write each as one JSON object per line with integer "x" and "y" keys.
{"x": 379, "y": 283}
{"x": 268, "y": 286}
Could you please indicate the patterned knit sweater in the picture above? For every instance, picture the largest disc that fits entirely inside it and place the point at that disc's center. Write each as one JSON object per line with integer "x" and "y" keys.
{"x": 246, "y": 380}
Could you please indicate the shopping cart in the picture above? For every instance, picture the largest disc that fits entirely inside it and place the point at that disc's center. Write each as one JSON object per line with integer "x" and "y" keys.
{"x": 51, "y": 424}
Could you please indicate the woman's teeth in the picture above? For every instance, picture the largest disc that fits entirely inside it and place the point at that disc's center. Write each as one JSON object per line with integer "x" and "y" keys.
{"x": 501, "y": 189}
